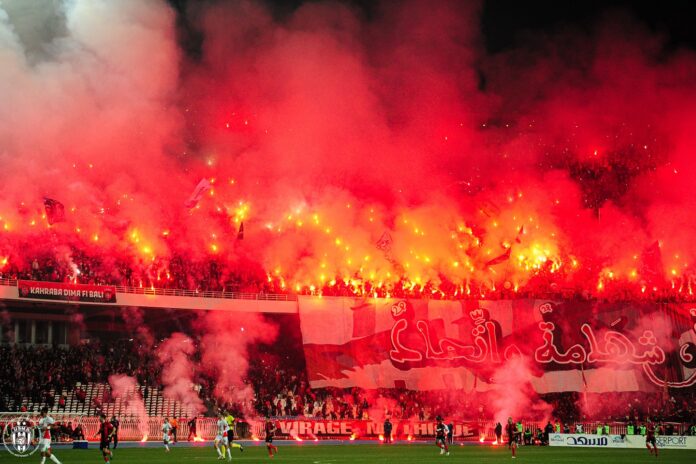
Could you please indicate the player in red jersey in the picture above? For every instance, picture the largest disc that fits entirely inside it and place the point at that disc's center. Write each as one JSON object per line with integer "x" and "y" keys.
{"x": 650, "y": 438}
{"x": 106, "y": 431}
{"x": 270, "y": 429}
{"x": 441, "y": 431}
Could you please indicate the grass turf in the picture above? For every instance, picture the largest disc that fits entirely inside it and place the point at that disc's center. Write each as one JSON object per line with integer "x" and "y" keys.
{"x": 372, "y": 454}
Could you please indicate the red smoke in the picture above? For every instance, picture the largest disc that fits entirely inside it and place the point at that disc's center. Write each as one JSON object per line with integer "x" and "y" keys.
{"x": 125, "y": 389}
{"x": 224, "y": 352}
{"x": 325, "y": 129}
{"x": 178, "y": 371}
{"x": 513, "y": 395}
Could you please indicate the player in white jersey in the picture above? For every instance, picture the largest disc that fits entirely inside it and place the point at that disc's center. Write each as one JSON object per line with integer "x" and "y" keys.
{"x": 45, "y": 424}
{"x": 166, "y": 430}
{"x": 221, "y": 442}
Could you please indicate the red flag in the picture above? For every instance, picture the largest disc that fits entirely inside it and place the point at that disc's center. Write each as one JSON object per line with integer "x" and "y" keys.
{"x": 55, "y": 211}
{"x": 500, "y": 259}
{"x": 518, "y": 239}
{"x": 489, "y": 208}
{"x": 385, "y": 242}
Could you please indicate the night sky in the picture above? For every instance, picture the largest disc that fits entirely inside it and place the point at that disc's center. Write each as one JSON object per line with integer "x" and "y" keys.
{"x": 505, "y": 23}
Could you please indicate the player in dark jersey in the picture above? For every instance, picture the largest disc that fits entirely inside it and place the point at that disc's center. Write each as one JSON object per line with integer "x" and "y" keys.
{"x": 270, "y": 429}
{"x": 441, "y": 436}
{"x": 105, "y": 431}
{"x": 650, "y": 438}
{"x": 512, "y": 434}
{"x": 192, "y": 429}
{"x": 116, "y": 424}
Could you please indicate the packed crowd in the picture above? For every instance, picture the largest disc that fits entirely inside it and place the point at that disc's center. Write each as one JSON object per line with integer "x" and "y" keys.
{"x": 356, "y": 403}
{"x": 175, "y": 273}
{"x": 216, "y": 275}
{"x": 281, "y": 389}
{"x": 39, "y": 374}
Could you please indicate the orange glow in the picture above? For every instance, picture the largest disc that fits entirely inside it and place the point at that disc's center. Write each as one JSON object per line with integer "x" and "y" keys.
{"x": 513, "y": 250}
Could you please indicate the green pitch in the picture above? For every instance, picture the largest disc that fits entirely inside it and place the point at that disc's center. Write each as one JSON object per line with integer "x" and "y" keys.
{"x": 368, "y": 454}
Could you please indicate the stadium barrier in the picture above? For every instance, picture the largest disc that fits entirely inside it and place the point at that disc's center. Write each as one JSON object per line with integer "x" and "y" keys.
{"x": 483, "y": 430}
{"x": 620, "y": 441}
{"x": 150, "y": 429}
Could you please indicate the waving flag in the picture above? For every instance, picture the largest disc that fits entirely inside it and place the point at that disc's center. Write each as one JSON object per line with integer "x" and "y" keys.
{"x": 385, "y": 242}
{"x": 500, "y": 259}
{"x": 55, "y": 211}
{"x": 202, "y": 187}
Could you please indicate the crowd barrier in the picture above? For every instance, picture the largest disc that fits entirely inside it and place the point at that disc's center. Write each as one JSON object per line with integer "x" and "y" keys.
{"x": 297, "y": 428}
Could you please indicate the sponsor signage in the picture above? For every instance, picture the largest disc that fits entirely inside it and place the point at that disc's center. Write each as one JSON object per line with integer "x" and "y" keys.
{"x": 586, "y": 440}
{"x": 663, "y": 441}
{"x": 66, "y": 292}
{"x": 620, "y": 441}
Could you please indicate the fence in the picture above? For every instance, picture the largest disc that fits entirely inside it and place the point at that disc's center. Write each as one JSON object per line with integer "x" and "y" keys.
{"x": 133, "y": 429}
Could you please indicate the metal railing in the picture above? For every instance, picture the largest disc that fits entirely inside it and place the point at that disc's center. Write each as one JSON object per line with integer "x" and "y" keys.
{"x": 206, "y": 294}
{"x": 187, "y": 293}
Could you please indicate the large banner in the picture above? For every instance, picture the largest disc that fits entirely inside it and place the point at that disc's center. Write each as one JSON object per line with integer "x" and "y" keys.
{"x": 310, "y": 428}
{"x": 66, "y": 292}
{"x": 476, "y": 345}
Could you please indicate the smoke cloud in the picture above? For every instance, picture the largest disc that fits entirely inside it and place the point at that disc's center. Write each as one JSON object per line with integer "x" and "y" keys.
{"x": 323, "y": 129}
{"x": 513, "y": 394}
{"x": 178, "y": 371}
{"x": 224, "y": 352}
{"x": 125, "y": 389}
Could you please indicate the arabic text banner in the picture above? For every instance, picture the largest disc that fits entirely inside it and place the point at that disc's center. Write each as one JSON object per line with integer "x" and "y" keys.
{"x": 433, "y": 345}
